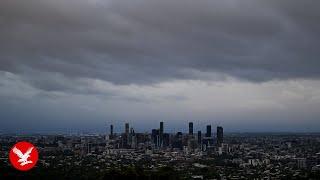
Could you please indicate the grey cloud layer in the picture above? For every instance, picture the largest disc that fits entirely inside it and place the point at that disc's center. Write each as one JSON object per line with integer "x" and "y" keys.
{"x": 274, "y": 105}
{"x": 147, "y": 41}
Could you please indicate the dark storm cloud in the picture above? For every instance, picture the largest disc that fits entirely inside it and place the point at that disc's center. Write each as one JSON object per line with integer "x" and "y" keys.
{"x": 147, "y": 41}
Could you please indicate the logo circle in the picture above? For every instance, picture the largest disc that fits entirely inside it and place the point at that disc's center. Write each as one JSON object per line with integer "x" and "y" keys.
{"x": 23, "y": 156}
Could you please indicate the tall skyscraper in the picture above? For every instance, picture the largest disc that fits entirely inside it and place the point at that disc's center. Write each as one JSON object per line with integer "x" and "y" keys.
{"x": 190, "y": 128}
{"x": 161, "y": 127}
{"x": 219, "y": 135}
{"x": 111, "y": 130}
{"x": 166, "y": 140}
{"x": 208, "y": 133}
{"x": 127, "y": 128}
{"x": 161, "y": 135}
{"x": 125, "y": 138}
{"x": 178, "y": 141}
{"x": 199, "y": 138}
{"x": 154, "y": 136}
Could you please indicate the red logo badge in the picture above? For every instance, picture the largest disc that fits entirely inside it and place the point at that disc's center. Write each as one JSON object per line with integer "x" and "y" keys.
{"x": 23, "y": 156}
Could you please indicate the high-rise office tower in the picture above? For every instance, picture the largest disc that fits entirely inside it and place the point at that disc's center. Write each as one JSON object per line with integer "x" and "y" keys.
{"x": 125, "y": 137}
{"x": 161, "y": 135}
{"x": 219, "y": 135}
{"x": 208, "y": 134}
{"x": 153, "y": 135}
{"x": 111, "y": 130}
{"x": 190, "y": 128}
{"x": 166, "y": 140}
{"x": 132, "y": 139}
{"x": 127, "y": 128}
{"x": 178, "y": 141}
{"x": 161, "y": 127}
{"x": 199, "y": 137}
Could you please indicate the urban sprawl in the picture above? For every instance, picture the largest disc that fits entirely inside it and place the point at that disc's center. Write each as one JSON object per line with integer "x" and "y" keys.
{"x": 161, "y": 155}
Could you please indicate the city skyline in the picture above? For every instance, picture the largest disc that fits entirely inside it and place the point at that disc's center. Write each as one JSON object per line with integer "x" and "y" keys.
{"x": 157, "y": 154}
{"x": 77, "y": 65}
{"x": 162, "y": 129}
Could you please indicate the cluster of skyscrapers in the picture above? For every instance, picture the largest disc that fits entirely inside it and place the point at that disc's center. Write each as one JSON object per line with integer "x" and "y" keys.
{"x": 158, "y": 139}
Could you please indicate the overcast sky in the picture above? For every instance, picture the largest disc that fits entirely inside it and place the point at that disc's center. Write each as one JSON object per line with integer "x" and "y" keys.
{"x": 79, "y": 65}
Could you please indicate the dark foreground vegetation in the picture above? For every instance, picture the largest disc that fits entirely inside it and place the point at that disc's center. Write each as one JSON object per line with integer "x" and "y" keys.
{"x": 132, "y": 173}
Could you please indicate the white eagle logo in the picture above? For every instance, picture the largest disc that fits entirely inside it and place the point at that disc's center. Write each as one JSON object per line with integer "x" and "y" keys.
{"x": 23, "y": 157}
